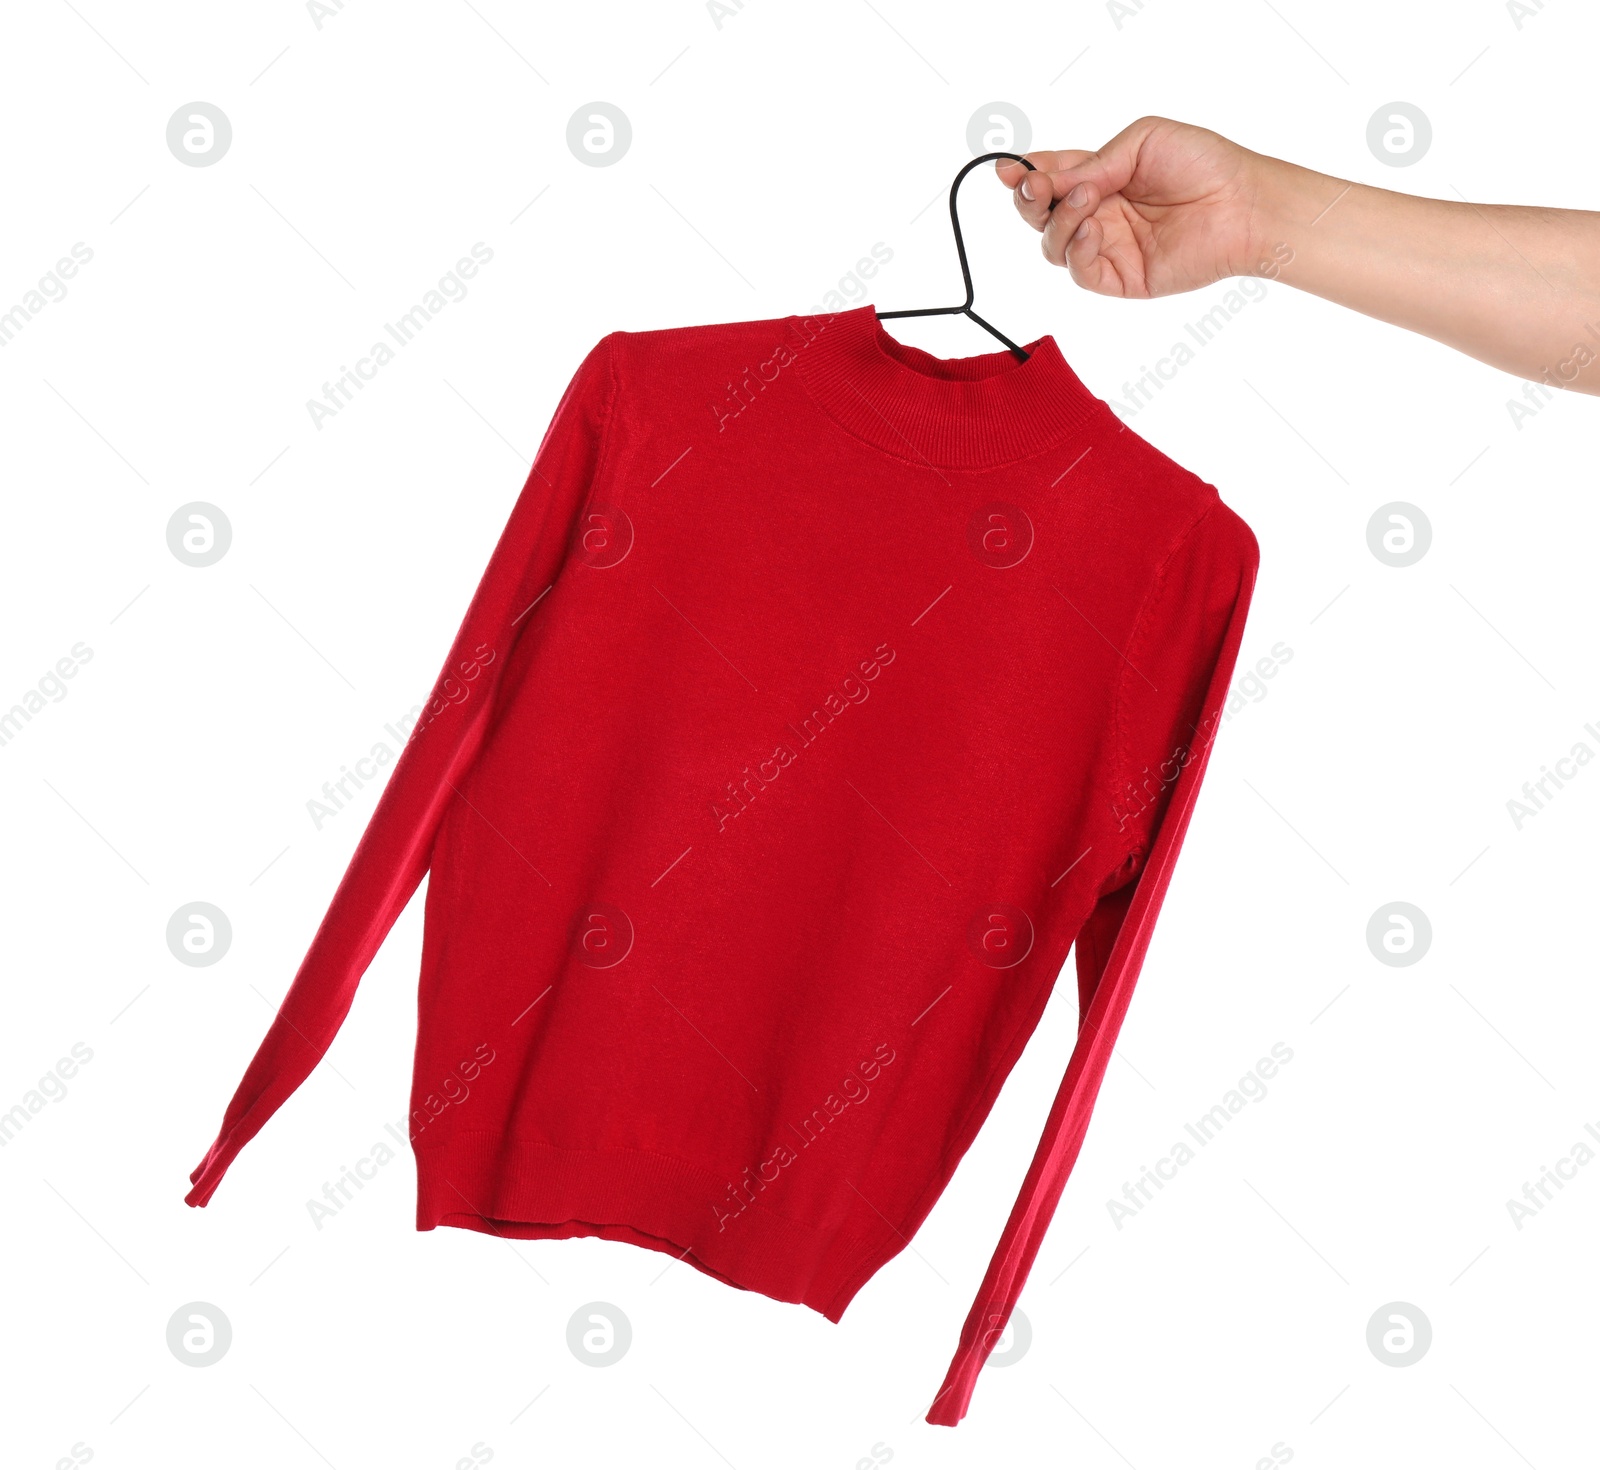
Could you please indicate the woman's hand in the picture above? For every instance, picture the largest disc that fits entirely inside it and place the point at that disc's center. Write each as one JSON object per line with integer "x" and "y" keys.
{"x": 1163, "y": 207}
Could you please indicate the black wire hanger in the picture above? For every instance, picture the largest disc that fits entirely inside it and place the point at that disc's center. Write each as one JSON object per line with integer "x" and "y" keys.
{"x": 965, "y": 309}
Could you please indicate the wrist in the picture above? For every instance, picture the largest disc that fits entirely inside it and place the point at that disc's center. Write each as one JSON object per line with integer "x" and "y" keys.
{"x": 1282, "y": 201}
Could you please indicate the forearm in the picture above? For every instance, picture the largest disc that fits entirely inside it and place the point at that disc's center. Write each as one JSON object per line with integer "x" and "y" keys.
{"x": 1515, "y": 287}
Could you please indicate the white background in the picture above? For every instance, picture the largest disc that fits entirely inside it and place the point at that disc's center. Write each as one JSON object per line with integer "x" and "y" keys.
{"x": 1230, "y": 1315}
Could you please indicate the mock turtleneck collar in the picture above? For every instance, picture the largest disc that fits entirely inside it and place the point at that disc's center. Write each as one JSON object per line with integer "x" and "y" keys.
{"x": 966, "y": 413}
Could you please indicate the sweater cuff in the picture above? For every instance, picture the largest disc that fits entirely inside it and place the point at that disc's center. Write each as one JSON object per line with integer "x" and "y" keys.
{"x": 950, "y": 1406}
{"x": 209, "y": 1174}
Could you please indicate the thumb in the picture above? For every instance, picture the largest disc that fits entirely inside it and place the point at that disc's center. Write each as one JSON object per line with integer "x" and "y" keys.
{"x": 1079, "y": 184}
{"x": 1012, "y": 173}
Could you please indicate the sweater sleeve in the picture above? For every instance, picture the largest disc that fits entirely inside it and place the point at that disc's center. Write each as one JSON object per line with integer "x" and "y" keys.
{"x": 1174, "y": 687}
{"x": 395, "y": 850}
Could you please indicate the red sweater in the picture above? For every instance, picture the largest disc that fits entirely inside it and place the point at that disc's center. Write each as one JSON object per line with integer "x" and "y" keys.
{"x": 819, "y": 697}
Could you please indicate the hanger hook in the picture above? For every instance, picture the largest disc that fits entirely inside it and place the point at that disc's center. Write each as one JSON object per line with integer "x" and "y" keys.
{"x": 965, "y": 309}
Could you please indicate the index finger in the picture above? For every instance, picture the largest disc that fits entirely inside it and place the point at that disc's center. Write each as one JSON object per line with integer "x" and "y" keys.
{"x": 1045, "y": 161}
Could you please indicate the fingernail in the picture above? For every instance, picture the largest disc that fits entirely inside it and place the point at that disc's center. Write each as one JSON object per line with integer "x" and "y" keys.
{"x": 1081, "y": 231}
{"x": 1027, "y": 190}
{"x": 1079, "y": 196}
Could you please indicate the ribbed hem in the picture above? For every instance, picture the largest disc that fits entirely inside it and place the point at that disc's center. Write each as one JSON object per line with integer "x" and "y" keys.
{"x": 536, "y": 1191}
{"x": 958, "y": 413}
